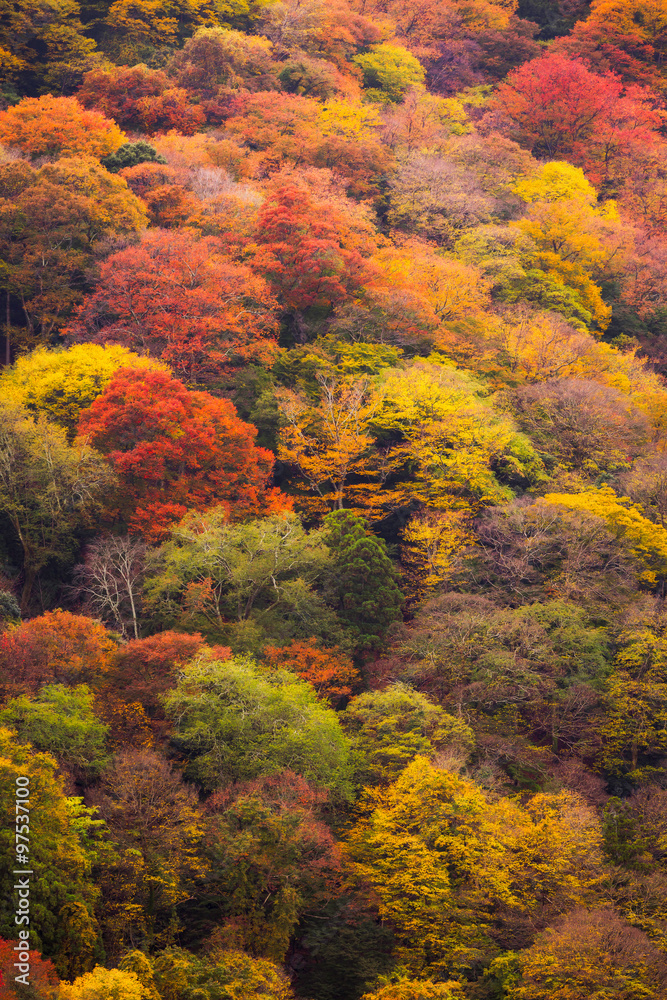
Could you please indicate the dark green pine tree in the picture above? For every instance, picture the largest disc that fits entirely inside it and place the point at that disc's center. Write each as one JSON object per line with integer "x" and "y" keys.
{"x": 363, "y": 585}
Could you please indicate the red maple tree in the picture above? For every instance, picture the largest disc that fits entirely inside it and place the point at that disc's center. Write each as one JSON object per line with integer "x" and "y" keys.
{"x": 176, "y": 450}
{"x": 563, "y": 110}
{"x": 312, "y": 252}
{"x": 179, "y": 298}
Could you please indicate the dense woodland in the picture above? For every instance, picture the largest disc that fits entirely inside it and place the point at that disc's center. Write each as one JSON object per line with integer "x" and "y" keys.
{"x": 333, "y": 493}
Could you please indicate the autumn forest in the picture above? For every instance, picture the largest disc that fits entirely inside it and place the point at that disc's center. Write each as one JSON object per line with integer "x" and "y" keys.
{"x": 333, "y": 499}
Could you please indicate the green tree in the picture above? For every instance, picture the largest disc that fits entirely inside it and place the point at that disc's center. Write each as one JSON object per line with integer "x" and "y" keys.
{"x": 391, "y": 727}
{"x": 130, "y": 154}
{"x": 61, "y": 721}
{"x": 389, "y": 70}
{"x": 363, "y": 580}
{"x": 232, "y": 723}
{"x": 247, "y": 583}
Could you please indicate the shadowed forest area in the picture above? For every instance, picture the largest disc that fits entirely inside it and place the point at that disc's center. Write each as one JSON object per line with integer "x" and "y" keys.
{"x": 333, "y": 497}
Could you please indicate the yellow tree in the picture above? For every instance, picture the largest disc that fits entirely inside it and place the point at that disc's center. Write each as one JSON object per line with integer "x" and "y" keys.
{"x": 574, "y": 240}
{"x": 62, "y": 383}
{"x": 329, "y": 440}
{"x": 647, "y": 541}
{"x": 589, "y": 954}
{"x": 416, "y": 989}
{"x": 448, "y": 288}
{"x": 431, "y": 540}
{"x": 450, "y": 436}
{"x": 104, "y": 984}
{"x": 643, "y": 21}
{"x": 439, "y": 858}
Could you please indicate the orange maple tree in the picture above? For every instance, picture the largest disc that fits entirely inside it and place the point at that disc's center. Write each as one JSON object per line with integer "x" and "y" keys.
{"x": 330, "y": 671}
{"x": 139, "y": 97}
{"x": 179, "y": 298}
{"x": 56, "y": 647}
{"x": 43, "y": 977}
{"x": 313, "y": 251}
{"x": 58, "y": 126}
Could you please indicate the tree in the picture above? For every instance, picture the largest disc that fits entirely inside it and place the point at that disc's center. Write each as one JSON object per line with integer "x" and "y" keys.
{"x": 62, "y": 383}
{"x": 43, "y": 978}
{"x": 646, "y": 485}
{"x": 436, "y": 198}
{"x": 639, "y": 23}
{"x": 441, "y": 859}
{"x": 140, "y": 97}
{"x": 634, "y": 733}
{"x": 58, "y": 126}
{"x": 218, "y": 58}
{"x": 580, "y": 425}
{"x": 155, "y": 823}
{"x": 130, "y": 154}
{"x": 51, "y": 224}
{"x": 104, "y": 984}
{"x": 392, "y": 727}
{"x": 142, "y": 670}
{"x": 458, "y": 449}
{"x": 416, "y": 989}
{"x": 562, "y": 110}
{"x": 313, "y": 258}
{"x": 180, "y": 974}
{"x": 272, "y": 860}
{"x": 310, "y": 77}
{"x": 61, "y": 828}
{"x": 174, "y": 449}
{"x": 10, "y": 612}
{"x": 448, "y": 288}
{"x": 109, "y": 581}
{"x": 646, "y": 541}
{"x": 425, "y": 24}
{"x": 331, "y": 673}
{"x": 247, "y": 583}
{"x": 116, "y": 90}
{"x": 287, "y": 130}
{"x": 589, "y": 950}
{"x": 329, "y": 441}
{"x": 389, "y": 71}
{"x": 57, "y": 647}
{"x": 61, "y": 721}
{"x": 180, "y": 299}
{"x": 363, "y": 579}
{"x": 49, "y": 491}
{"x": 234, "y": 723}
{"x": 44, "y": 52}
{"x": 546, "y": 548}
{"x": 543, "y": 664}
{"x": 326, "y": 30}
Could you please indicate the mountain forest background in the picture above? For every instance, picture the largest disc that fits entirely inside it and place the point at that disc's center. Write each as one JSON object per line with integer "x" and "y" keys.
{"x": 333, "y": 493}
